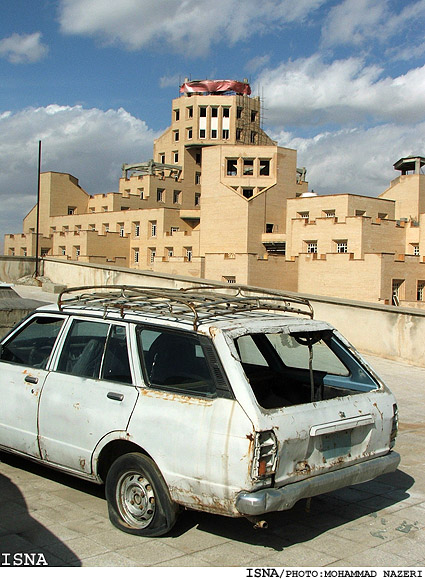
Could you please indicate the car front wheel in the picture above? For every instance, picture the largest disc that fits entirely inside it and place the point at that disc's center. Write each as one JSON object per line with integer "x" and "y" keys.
{"x": 138, "y": 498}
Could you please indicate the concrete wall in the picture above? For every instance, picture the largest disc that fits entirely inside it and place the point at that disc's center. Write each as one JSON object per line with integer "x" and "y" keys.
{"x": 386, "y": 331}
{"x": 14, "y": 267}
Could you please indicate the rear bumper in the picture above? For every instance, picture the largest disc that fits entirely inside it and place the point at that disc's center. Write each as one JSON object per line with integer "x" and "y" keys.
{"x": 272, "y": 499}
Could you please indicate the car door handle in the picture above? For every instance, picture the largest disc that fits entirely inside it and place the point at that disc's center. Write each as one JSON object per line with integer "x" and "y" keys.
{"x": 32, "y": 380}
{"x": 115, "y": 396}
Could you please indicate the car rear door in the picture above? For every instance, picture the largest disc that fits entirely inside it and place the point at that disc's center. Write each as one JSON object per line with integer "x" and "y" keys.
{"x": 89, "y": 394}
{"x": 327, "y": 415}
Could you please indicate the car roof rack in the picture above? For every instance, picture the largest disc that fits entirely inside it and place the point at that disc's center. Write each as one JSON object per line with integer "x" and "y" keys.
{"x": 196, "y": 304}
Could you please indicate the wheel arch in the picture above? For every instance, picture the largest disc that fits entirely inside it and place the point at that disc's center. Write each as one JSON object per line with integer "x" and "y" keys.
{"x": 111, "y": 451}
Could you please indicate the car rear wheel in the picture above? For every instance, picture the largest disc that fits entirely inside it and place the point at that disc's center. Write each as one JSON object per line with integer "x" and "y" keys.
{"x": 138, "y": 498}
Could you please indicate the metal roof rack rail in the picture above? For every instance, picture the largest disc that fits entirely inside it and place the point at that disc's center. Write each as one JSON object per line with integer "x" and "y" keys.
{"x": 195, "y": 304}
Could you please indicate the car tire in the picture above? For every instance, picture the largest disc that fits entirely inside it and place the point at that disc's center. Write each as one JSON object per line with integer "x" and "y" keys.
{"x": 138, "y": 498}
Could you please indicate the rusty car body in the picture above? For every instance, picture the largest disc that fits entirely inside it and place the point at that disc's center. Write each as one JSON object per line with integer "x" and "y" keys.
{"x": 230, "y": 403}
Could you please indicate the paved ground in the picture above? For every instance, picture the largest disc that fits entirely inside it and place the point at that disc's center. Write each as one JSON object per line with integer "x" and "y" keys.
{"x": 380, "y": 523}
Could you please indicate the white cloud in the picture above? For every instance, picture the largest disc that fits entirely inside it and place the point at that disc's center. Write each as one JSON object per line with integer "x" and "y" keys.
{"x": 23, "y": 48}
{"x": 171, "y": 81}
{"x": 187, "y": 26}
{"x": 257, "y": 63}
{"x": 311, "y": 92}
{"x": 357, "y": 22}
{"x": 88, "y": 143}
{"x": 355, "y": 160}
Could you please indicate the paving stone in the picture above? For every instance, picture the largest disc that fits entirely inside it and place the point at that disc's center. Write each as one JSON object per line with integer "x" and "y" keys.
{"x": 150, "y": 553}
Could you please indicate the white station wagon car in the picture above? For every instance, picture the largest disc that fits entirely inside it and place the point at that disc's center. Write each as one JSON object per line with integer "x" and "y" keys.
{"x": 230, "y": 404}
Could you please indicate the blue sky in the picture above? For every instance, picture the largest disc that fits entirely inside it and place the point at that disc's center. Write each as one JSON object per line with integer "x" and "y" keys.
{"x": 342, "y": 81}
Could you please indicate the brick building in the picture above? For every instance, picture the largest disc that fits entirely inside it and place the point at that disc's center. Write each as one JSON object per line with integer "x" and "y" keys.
{"x": 221, "y": 200}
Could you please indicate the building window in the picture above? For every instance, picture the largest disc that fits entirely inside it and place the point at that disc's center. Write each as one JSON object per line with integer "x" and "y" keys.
{"x": 420, "y": 292}
{"x": 92, "y": 227}
{"x": 174, "y": 229}
{"x": 136, "y": 229}
{"x": 415, "y": 249}
{"x": 225, "y": 134}
{"x": 329, "y": 213}
{"x": 279, "y": 249}
{"x": 141, "y": 193}
{"x": 121, "y": 229}
{"x": 226, "y": 112}
{"x": 176, "y": 136}
{"x": 312, "y": 247}
{"x": 264, "y": 167}
{"x": 360, "y": 212}
{"x": 24, "y": 251}
{"x": 304, "y": 215}
{"x": 160, "y": 194}
{"x": 198, "y": 158}
{"x": 214, "y": 112}
{"x": 248, "y": 192}
{"x": 382, "y": 216}
{"x": 197, "y": 199}
{"x": 229, "y": 279}
{"x": 189, "y": 133}
{"x": 152, "y": 254}
{"x": 239, "y": 113}
{"x": 253, "y": 116}
{"x": 253, "y": 137}
{"x": 248, "y": 166}
{"x": 197, "y": 178}
{"x": 91, "y": 209}
{"x": 153, "y": 229}
{"x": 176, "y": 114}
{"x": 238, "y": 134}
{"x": 202, "y": 133}
{"x": 232, "y": 167}
{"x": 202, "y": 111}
{"x": 397, "y": 288}
{"x": 11, "y": 251}
{"x": 105, "y": 228}
{"x": 104, "y": 208}
{"x": 176, "y": 156}
{"x": 269, "y": 228}
{"x": 189, "y": 112}
{"x": 188, "y": 254}
{"x": 213, "y": 133}
{"x": 169, "y": 252}
{"x": 136, "y": 255}
{"x": 162, "y": 157}
{"x": 62, "y": 250}
{"x": 176, "y": 196}
{"x": 126, "y": 193}
{"x": 341, "y": 246}
{"x": 71, "y": 210}
{"x": 77, "y": 251}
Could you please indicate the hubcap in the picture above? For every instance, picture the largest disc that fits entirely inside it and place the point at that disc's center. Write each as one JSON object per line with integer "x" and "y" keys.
{"x": 136, "y": 499}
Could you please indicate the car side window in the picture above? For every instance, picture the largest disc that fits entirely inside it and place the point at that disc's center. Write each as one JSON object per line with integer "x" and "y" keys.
{"x": 175, "y": 360}
{"x": 116, "y": 366}
{"x": 33, "y": 344}
{"x": 83, "y": 349}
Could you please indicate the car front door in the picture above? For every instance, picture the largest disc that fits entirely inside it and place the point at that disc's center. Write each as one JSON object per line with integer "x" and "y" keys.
{"x": 89, "y": 394}
{"x": 24, "y": 357}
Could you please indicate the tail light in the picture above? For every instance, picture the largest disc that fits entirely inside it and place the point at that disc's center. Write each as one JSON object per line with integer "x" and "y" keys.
{"x": 265, "y": 455}
{"x": 394, "y": 426}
